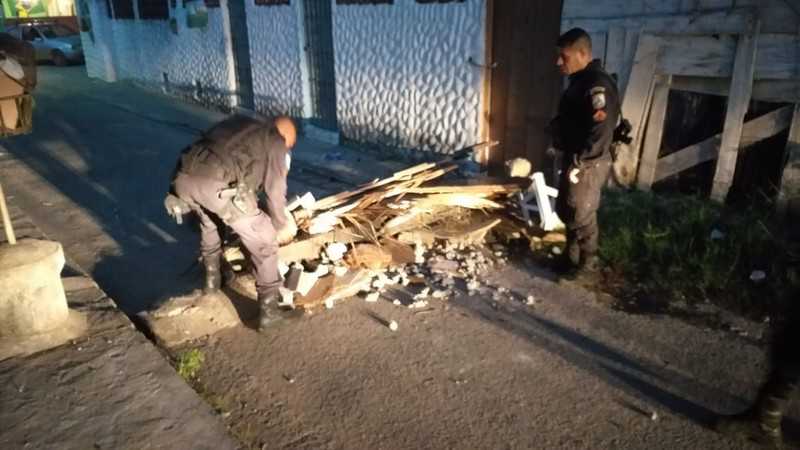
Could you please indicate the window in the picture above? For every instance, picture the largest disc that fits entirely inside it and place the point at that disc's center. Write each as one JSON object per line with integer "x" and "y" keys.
{"x": 54, "y": 31}
{"x": 123, "y": 9}
{"x": 271, "y": 2}
{"x": 29, "y": 34}
{"x": 153, "y": 9}
{"x": 364, "y": 2}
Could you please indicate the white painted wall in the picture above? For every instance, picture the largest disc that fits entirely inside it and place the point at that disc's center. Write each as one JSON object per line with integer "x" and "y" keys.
{"x": 402, "y": 75}
{"x": 402, "y": 72}
{"x": 143, "y": 50}
{"x": 275, "y": 58}
{"x": 98, "y": 51}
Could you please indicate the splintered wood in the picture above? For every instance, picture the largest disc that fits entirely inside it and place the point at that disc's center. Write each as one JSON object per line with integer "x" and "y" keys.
{"x": 373, "y": 223}
{"x": 384, "y": 208}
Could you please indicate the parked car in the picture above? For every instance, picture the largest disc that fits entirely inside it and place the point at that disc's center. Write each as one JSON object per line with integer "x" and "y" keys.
{"x": 52, "y": 41}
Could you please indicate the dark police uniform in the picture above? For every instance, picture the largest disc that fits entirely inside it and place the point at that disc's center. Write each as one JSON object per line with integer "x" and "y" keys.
{"x": 762, "y": 421}
{"x": 221, "y": 174}
{"x": 584, "y": 130}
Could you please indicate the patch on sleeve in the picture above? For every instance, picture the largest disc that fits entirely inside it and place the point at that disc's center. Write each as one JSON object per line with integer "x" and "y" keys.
{"x": 599, "y": 115}
{"x": 598, "y": 97}
{"x": 288, "y": 162}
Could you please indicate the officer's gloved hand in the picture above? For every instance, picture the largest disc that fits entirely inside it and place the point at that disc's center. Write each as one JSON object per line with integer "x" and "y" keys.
{"x": 573, "y": 175}
{"x": 176, "y": 207}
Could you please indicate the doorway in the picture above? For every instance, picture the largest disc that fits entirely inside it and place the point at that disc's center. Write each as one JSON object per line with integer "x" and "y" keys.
{"x": 525, "y": 84}
{"x": 318, "y": 48}
{"x": 240, "y": 43}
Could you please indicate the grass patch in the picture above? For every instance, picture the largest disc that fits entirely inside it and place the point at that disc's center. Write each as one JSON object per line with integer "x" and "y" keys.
{"x": 189, "y": 363}
{"x": 661, "y": 247}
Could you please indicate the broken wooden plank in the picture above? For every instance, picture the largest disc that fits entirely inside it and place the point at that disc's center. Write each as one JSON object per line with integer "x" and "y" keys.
{"x": 634, "y": 104}
{"x": 465, "y": 189}
{"x": 315, "y": 296}
{"x": 738, "y": 103}
{"x": 417, "y": 218}
{"x": 471, "y": 201}
{"x": 337, "y": 199}
{"x": 788, "y": 200}
{"x": 755, "y": 130}
{"x": 654, "y": 134}
{"x": 368, "y": 256}
{"x": 471, "y": 233}
{"x": 331, "y": 288}
{"x": 310, "y": 248}
{"x": 401, "y": 253}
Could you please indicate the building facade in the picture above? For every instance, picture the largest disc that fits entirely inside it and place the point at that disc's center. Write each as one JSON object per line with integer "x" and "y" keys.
{"x": 396, "y": 73}
{"x": 429, "y": 75}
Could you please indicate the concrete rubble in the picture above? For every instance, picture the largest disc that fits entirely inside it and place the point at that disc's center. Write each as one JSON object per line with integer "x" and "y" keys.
{"x": 419, "y": 236}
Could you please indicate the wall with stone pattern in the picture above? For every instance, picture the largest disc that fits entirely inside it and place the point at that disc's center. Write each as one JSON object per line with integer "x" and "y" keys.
{"x": 402, "y": 73}
{"x": 145, "y": 50}
{"x": 275, "y": 58}
{"x": 402, "y": 76}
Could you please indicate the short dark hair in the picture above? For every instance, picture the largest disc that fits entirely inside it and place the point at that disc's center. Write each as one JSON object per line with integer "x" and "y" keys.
{"x": 576, "y": 37}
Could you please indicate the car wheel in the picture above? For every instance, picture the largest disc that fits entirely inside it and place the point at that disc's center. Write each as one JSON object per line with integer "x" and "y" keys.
{"x": 59, "y": 59}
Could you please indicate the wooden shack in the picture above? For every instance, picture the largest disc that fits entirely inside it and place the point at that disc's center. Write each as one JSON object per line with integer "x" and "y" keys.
{"x": 746, "y": 50}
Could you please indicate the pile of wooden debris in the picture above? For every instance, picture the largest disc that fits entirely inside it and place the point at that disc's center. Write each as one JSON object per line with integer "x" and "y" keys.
{"x": 381, "y": 233}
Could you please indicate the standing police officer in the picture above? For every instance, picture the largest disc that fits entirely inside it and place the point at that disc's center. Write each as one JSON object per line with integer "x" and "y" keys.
{"x": 221, "y": 174}
{"x": 583, "y": 130}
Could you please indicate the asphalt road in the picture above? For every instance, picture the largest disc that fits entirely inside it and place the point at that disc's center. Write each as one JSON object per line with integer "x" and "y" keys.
{"x": 566, "y": 373}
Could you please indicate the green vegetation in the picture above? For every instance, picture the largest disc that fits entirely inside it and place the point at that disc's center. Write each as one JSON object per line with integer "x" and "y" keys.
{"x": 678, "y": 247}
{"x": 189, "y": 363}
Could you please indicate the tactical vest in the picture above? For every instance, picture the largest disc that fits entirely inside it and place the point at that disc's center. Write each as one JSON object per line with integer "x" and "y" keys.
{"x": 234, "y": 151}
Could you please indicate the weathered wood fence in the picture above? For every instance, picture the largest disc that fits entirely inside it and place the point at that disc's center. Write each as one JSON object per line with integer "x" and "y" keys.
{"x": 720, "y": 52}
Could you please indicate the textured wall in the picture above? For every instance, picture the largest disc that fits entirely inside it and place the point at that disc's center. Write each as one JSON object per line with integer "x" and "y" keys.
{"x": 143, "y": 50}
{"x": 275, "y": 58}
{"x": 402, "y": 75}
{"x": 99, "y": 63}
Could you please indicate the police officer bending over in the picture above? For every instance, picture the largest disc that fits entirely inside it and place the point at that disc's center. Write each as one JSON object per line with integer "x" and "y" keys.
{"x": 583, "y": 130}
{"x": 221, "y": 174}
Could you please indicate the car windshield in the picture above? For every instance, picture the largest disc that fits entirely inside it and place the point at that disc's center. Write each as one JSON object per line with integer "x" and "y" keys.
{"x": 54, "y": 31}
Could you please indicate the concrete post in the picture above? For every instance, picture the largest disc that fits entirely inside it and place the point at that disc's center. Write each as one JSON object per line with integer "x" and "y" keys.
{"x": 32, "y": 299}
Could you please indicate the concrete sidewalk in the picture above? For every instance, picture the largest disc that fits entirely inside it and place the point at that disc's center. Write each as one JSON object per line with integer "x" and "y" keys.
{"x": 109, "y": 389}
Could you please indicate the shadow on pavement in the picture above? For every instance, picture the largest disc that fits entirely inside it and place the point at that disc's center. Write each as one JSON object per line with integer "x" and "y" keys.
{"x": 114, "y": 167}
{"x": 636, "y": 377}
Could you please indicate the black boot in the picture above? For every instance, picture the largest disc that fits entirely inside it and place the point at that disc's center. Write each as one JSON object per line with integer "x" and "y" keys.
{"x": 590, "y": 264}
{"x": 762, "y": 422}
{"x": 268, "y": 312}
{"x": 568, "y": 262}
{"x": 587, "y": 272}
{"x": 213, "y": 280}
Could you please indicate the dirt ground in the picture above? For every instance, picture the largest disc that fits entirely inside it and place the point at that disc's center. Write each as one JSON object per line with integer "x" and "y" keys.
{"x": 468, "y": 373}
